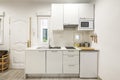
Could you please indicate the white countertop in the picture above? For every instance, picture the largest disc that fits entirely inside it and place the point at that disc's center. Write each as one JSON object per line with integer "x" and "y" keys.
{"x": 46, "y": 48}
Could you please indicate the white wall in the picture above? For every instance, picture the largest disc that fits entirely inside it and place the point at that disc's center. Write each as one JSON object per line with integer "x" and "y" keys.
{"x": 108, "y": 30}
{"x": 21, "y": 9}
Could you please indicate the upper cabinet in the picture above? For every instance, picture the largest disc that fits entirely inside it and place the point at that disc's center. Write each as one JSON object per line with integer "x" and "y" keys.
{"x": 86, "y": 11}
{"x": 57, "y": 17}
{"x": 71, "y": 14}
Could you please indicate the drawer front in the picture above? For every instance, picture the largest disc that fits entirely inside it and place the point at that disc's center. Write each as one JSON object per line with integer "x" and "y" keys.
{"x": 71, "y": 59}
{"x": 70, "y": 69}
{"x": 35, "y": 51}
{"x": 71, "y": 52}
{"x": 54, "y": 51}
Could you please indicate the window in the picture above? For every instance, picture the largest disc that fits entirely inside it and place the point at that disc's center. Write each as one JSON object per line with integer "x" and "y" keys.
{"x": 45, "y": 35}
{"x": 43, "y": 25}
{"x": 1, "y": 30}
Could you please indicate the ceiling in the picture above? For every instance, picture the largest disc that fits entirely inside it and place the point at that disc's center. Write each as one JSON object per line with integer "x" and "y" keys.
{"x": 50, "y": 1}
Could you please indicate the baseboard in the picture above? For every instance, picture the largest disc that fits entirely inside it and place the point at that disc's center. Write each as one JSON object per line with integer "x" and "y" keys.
{"x": 17, "y": 67}
{"x": 53, "y": 75}
{"x": 99, "y": 78}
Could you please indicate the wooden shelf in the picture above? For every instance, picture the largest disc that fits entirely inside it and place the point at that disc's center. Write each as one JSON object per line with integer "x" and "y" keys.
{"x": 4, "y": 68}
{"x": 4, "y": 60}
{"x": 2, "y": 63}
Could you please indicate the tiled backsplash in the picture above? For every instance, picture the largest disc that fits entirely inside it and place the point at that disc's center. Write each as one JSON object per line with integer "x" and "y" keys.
{"x": 66, "y": 37}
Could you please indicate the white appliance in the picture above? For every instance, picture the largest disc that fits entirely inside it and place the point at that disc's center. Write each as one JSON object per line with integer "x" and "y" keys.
{"x": 86, "y": 24}
{"x": 89, "y": 64}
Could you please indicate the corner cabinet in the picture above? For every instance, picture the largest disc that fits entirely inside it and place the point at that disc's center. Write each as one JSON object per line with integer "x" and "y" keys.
{"x": 35, "y": 62}
{"x": 88, "y": 64}
{"x": 54, "y": 62}
{"x": 57, "y": 17}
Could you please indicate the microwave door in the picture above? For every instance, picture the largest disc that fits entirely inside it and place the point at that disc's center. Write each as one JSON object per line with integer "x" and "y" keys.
{"x": 84, "y": 24}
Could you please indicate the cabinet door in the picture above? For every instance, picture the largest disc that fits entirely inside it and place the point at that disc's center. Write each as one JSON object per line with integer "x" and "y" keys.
{"x": 54, "y": 62}
{"x": 71, "y": 62}
{"x": 71, "y": 14}
{"x": 86, "y": 11}
{"x": 88, "y": 64}
{"x": 57, "y": 17}
{"x": 35, "y": 62}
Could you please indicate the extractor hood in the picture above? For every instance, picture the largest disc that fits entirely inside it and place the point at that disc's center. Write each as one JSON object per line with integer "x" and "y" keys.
{"x": 70, "y": 25}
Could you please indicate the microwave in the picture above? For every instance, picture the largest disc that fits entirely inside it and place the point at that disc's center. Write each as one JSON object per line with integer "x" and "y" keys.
{"x": 86, "y": 24}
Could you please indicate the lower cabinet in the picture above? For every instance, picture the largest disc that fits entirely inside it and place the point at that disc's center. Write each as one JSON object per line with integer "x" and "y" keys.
{"x": 88, "y": 64}
{"x": 62, "y": 62}
{"x": 54, "y": 62}
{"x": 71, "y": 62}
{"x": 35, "y": 62}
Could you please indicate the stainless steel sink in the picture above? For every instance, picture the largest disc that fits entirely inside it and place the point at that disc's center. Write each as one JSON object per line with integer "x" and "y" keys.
{"x": 42, "y": 48}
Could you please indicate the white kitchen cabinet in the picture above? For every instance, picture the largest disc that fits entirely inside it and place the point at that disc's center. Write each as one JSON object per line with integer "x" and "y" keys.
{"x": 71, "y": 14}
{"x": 86, "y": 11}
{"x": 54, "y": 62}
{"x": 71, "y": 62}
{"x": 88, "y": 64}
{"x": 35, "y": 62}
{"x": 57, "y": 17}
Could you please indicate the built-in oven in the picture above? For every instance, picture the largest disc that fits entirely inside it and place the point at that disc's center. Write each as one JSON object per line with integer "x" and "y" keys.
{"x": 86, "y": 24}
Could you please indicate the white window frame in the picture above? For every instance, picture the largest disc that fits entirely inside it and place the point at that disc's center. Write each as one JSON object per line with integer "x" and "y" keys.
{"x": 1, "y": 29}
{"x": 40, "y": 31}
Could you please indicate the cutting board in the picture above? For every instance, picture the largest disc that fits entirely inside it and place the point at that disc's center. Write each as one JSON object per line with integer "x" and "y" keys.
{"x": 86, "y": 48}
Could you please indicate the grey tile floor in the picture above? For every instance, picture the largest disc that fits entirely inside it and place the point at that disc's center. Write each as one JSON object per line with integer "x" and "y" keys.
{"x": 19, "y": 75}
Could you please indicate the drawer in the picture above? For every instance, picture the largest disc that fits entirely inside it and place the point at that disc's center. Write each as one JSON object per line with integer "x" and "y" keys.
{"x": 54, "y": 51}
{"x": 71, "y": 52}
{"x": 70, "y": 69}
{"x": 35, "y": 51}
{"x": 70, "y": 59}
